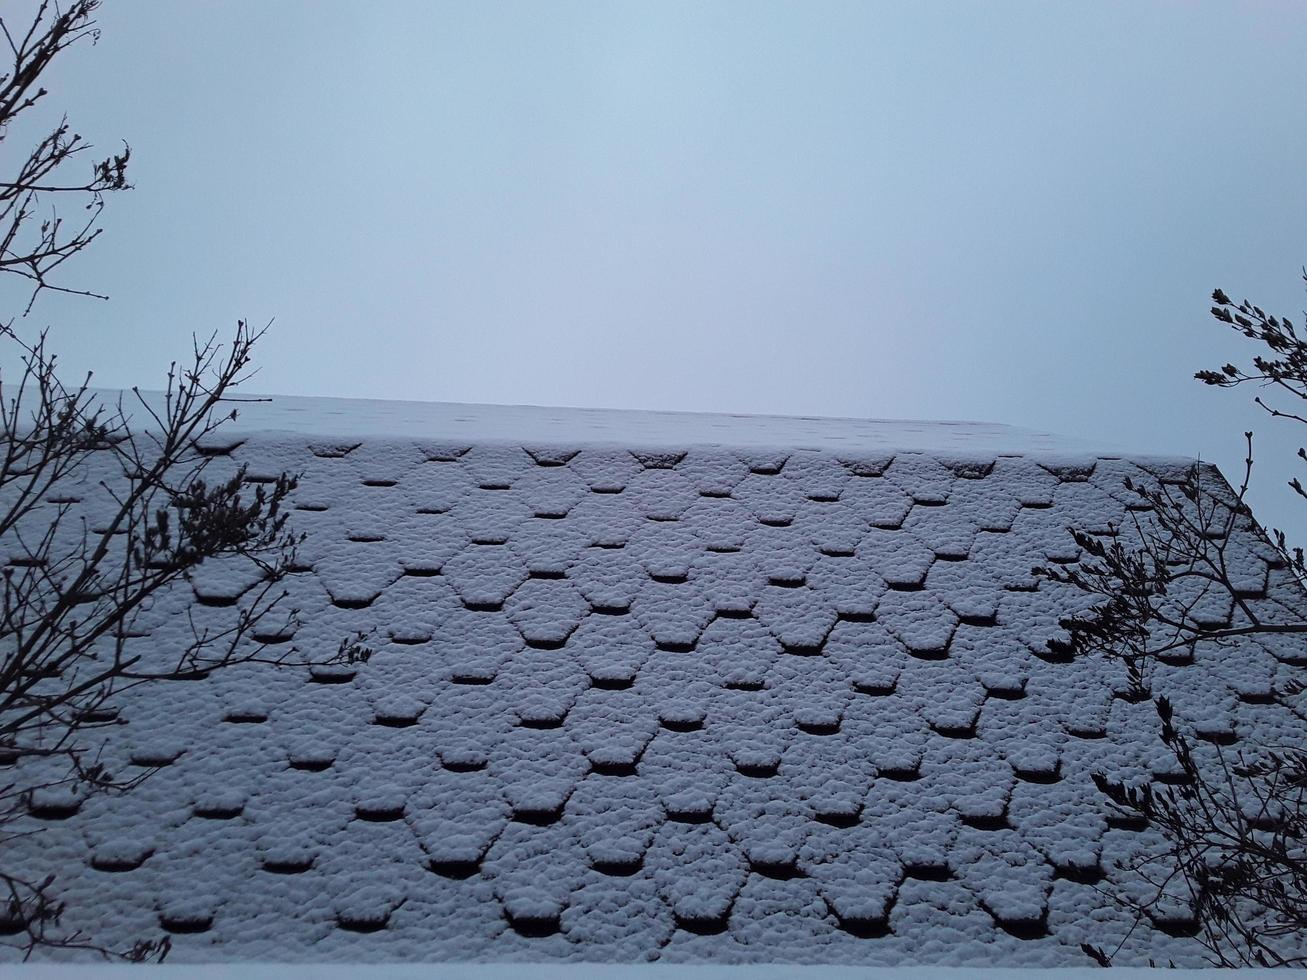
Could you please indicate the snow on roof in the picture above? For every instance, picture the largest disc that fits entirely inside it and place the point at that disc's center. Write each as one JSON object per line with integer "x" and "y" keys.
{"x": 591, "y": 971}
{"x": 674, "y": 700}
{"x": 371, "y": 418}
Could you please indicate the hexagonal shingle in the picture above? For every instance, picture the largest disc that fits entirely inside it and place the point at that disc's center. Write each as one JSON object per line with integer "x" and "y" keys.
{"x": 751, "y": 701}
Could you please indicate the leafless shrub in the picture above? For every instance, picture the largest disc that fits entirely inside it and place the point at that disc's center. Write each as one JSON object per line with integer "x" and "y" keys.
{"x": 73, "y": 590}
{"x": 1172, "y": 581}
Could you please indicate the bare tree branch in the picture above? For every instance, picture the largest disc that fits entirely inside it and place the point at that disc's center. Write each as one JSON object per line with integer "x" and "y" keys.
{"x": 1235, "y": 830}
{"x": 72, "y": 590}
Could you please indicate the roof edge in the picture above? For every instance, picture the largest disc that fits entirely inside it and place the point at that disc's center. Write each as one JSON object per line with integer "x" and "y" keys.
{"x": 476, "y": 424}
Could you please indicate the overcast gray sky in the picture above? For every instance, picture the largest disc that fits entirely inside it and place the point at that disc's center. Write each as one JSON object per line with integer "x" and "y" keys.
{"x": 1002, "y": 211}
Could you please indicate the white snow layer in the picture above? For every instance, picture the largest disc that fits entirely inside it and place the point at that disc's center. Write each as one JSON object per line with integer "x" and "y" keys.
{"x": 593, "y": 971}
{"x": 372, "y": 418}
{"x": 674, "y": 702}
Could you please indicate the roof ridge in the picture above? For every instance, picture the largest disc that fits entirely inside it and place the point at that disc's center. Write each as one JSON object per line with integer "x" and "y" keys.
{"x": 639, "y": 428}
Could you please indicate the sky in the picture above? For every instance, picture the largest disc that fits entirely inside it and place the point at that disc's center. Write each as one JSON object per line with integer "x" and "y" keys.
{"x": 1002, "y": 211}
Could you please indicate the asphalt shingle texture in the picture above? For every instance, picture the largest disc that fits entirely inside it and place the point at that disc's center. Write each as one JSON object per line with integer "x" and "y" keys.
{"x": 677, "y": 703}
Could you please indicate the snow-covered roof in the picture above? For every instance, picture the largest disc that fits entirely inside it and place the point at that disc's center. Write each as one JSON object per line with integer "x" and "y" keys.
{"x": 626, "y": 428}
{"x": 591, "y": 971}
{"x": 649, "y": 687}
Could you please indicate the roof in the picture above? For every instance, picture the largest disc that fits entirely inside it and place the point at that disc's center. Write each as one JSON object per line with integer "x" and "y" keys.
{"x": 677, "y": 688}
{"x": 626, "y": 428}
{"x": 587, "y": 971}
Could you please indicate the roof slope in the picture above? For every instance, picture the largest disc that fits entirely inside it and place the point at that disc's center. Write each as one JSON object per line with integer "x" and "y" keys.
{"x": 467, "y": 424}
{"x": 686, "y": 702}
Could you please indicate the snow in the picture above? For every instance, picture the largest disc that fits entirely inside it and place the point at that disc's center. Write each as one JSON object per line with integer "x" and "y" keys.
{"x": 590, "y": 971}
{"x": 647, "y": 686}
{"x": 449, "y": 427}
